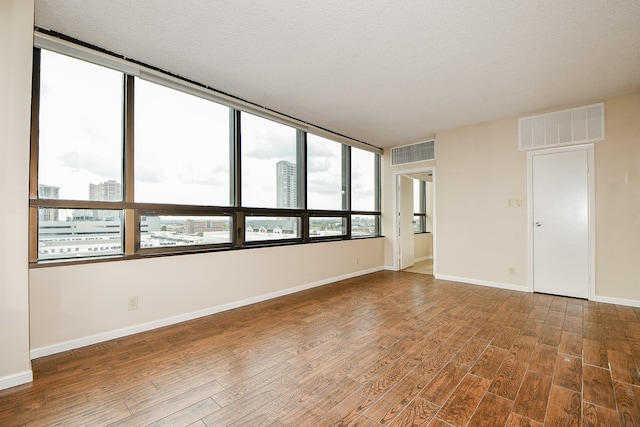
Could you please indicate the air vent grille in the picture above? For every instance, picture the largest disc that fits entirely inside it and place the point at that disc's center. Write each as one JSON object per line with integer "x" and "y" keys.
{"x": 413, "y": 153}
{"x": 574, "y": 126}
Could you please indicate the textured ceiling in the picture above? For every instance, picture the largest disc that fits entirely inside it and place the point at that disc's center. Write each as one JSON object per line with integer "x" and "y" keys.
{"x": 387, "y": 73}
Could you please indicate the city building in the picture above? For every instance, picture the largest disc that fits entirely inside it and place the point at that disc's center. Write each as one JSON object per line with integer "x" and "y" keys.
{"x": 108, "y": 191}
{"x": 193, "y": 226}
{"x": 48, "y": 192}
{"x": 476, "y": 77}
{"x": 286, "y": 185}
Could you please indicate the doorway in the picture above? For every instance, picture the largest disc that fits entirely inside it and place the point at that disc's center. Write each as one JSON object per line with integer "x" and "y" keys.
{"x": 414, "y": 220}
{"x": 562, "y": 227}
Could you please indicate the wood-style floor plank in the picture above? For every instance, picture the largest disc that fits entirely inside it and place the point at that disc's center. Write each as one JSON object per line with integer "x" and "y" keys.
{"x": 597, "y": 416}
{"x": 568, "y": 373}
{"x": 533, "y": 396}
{"x": 492, "y": 411}
{"x": 565, "y": 408}
{"x": 465, "y": 399}
{"x": 384, "y": 349}
{"x": 598, "y": 387}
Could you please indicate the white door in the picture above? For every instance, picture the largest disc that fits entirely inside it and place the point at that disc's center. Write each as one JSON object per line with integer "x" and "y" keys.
{"x": 405, "y": 222}
{"x": 561, "y": 256}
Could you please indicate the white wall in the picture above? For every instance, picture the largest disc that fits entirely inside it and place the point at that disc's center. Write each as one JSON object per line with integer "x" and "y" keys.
{"x": 16, "y": 41}
{"x": 76, "y": 305}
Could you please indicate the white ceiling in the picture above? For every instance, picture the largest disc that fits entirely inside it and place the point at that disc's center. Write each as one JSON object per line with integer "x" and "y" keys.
{"x": 380, "y": 71}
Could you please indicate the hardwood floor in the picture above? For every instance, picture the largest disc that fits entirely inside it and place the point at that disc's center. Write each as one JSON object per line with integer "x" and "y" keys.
{"x": 389, "y": 348}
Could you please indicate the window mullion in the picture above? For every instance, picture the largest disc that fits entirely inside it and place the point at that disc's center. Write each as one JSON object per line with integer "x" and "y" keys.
{"x": 131, "y": 220}
{"x": 235, "y": 182}
{"x": 346, "y": 185}
{"x": 34, "y": 156}
{"x": 301, "y": 168}
{"x": 301, "y": 181}
{"x": 235, "y": 168}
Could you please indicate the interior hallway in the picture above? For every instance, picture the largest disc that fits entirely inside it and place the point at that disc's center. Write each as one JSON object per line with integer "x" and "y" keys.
{"x": 421, "y": 267}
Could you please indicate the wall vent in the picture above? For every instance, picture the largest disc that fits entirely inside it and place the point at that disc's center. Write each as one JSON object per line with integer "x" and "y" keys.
{"x": 566, "y": 127}
{"x": 413, "y": 153}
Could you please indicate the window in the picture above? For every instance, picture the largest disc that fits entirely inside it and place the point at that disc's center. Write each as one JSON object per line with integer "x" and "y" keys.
{"x": 79, "y": 233}
{"x": 261, "y": 228}
{"x": 419, "y": 206}
{"x": 363, "y": 173}
{"x": 325, "y": 176}
{"x": 365, "y": 225}
{"x": 181, "y": 148}
{"x": 365, "y": 197}
{"x": 327, "y": 226}
{"x": 166, "y": 231}
{"x": 269, "y": 163}
{"x": 129, "y": 166}
{"x": 80, "y": 139}
{"x": 422, "y": 208}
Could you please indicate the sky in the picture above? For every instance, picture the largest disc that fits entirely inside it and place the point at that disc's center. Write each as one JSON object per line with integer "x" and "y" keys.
{"x": 181, "y": 144}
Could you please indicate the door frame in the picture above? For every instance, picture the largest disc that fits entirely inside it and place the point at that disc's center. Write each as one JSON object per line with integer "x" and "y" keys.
{"x": 591, "y": 215}
{"x": 396, "y": 212}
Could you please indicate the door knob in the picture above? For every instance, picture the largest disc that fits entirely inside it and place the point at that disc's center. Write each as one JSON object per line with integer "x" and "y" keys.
{"x": 538, "y": 224}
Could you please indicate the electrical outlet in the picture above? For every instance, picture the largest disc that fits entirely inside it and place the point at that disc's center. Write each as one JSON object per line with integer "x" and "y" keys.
{"x": 512, "y": 271}
{"x": 357, "y": 260}
{"x": 132, "y": 303}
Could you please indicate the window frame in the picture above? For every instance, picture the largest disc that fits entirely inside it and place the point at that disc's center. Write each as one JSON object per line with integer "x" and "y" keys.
{"x": 421, "y": 214}
{"x": 132, "y": 211}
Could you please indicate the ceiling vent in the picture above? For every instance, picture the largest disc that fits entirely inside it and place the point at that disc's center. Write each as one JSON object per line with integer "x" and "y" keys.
{"x": 566, "y": 127}
{"x": 413, "y": 153}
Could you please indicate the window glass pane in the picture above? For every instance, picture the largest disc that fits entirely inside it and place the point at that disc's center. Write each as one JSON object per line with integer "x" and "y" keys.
{"x": 181, "y": 147}
{"x": 364, "y": 225}
{"x": 327, "y": 226}
{"x": 269, "y": 171}
{"x": 417, "y": 206}
{"x": 76, "y": 233}
{"x": 324, "y": 174}
{"x": 168, "y": 231}
{"x": 80, "y": 139}
{"x": 418, "y": 224}
{"x": 363, "y": 186}
{"x": 271, "y": 228}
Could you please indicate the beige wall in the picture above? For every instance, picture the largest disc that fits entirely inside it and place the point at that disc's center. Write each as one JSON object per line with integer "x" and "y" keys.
{"x": 16, "y": 41}
{"x": 80, "y": 304}
{"x": 617, "y": 169}
{"x": 423, "y": 246}
{"x": 480, "y": 238}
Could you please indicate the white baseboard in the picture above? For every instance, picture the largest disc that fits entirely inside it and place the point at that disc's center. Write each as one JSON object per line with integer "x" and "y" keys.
{"x": 507, "y": 286}
{"x": 424, "y": 258}
{"x": 618, "y": 301}
{"x": 135, "y": 329}
{"x": 17, "y": 379}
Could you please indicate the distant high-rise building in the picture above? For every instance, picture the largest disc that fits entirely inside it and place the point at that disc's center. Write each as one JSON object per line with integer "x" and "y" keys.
{"x": 286, "y": 185}
{"x": 110, "y": 191}
{"x": 48, "y": 192}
